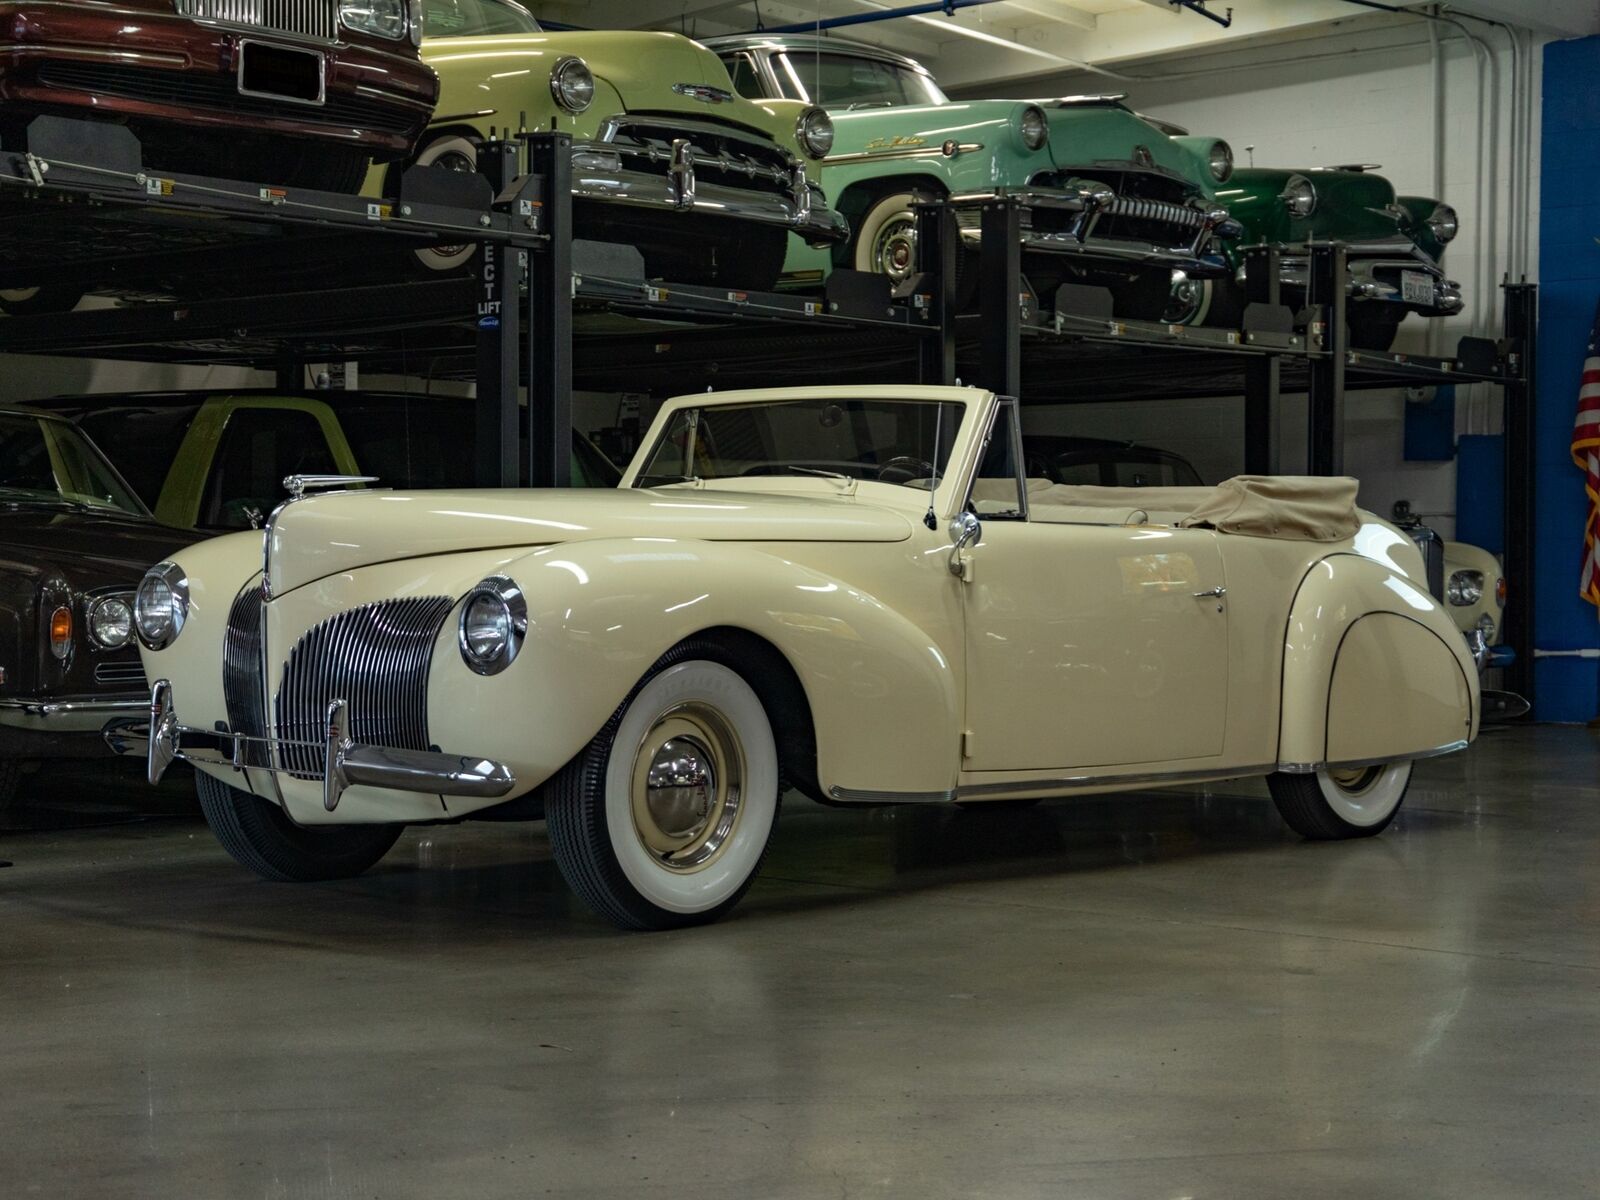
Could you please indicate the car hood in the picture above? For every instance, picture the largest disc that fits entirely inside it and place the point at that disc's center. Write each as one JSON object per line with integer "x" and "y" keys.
{"x": 324, "y": 535}
{"x": 641, "y": 66}
{"x": 103, "y": 547}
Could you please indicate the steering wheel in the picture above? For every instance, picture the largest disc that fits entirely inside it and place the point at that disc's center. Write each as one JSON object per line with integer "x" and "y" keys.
{"x": 903, "y": 468}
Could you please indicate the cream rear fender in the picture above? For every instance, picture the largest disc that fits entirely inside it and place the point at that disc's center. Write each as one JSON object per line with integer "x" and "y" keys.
{"x": 1373, "y": 670}
{"x": 883, "y": 696}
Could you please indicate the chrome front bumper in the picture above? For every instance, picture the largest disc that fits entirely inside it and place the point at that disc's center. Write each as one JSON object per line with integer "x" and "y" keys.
{"x": 66, "y": 716}
{"x": 601, "y": 173}
{"x": 1379, "y": 279}
{"x": 345, "y": 763}
{"x": 1083, "y": 233}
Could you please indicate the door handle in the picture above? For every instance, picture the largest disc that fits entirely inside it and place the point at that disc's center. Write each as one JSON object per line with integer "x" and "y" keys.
{"x": 1218, "y": 592}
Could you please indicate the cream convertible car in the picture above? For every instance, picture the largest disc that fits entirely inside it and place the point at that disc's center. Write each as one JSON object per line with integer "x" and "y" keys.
{"x": 852, "y": 591}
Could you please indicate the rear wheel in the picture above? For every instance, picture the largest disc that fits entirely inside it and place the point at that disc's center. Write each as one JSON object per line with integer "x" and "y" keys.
{"x": 664, "y": 819}
{"x": 1373, "y": 325}
{"x": 48, "y": 298}
{"x": 1341, "y": 803}
{"x": 258, "y": 835}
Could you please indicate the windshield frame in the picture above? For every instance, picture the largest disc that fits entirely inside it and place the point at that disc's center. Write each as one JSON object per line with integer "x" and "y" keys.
{"x": 789, "y": 77}
{"x": 60, "y": 435}
{"x": 520, "y": 9}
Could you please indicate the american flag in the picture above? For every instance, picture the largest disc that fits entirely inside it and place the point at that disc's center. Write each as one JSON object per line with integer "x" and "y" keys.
{"x": 1586, "y": 453}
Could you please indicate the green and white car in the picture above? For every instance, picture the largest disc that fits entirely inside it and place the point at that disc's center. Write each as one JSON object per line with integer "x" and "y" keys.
{"x": 1118, "y": 203}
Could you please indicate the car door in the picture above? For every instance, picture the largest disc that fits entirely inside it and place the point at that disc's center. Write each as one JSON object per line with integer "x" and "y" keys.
{"x": 1091, "y": 641}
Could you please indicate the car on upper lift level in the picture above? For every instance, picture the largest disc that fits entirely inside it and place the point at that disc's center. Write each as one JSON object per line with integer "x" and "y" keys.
{"x": 709, "y": 186}
{"x": 1119, "y": 203}
{"x": 74, "y": 541}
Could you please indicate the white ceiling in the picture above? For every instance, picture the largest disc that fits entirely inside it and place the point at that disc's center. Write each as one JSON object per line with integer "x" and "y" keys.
{"x": 1009, "y": 40}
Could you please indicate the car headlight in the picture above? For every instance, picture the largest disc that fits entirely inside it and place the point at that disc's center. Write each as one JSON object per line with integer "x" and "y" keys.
{"x": 1464, "y": 588}
{"x": 493, "y": 624}
{"x": 1034, "y": 127}
{"x": 1220, "y": 160}
{"x": 381, "y": 18}
{"x": 111, "y": 623}
{"x": 815, "y": 132}
{"x": 1443, "y": 223}
{"x": 572, "y": 84}
{"x": 1299, "y": 196}
{"x": 161, "y": 605}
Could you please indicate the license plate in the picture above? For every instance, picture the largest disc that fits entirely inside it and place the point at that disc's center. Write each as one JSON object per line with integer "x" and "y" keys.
{"x": 1416, "y": 287}
{"x": 281, "y": 73}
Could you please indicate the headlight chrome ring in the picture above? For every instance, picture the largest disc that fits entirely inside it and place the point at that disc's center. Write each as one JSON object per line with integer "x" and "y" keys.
{"x": 572, "y": 84}
{"x": 1443, "y": 223}
{"x": 111, "y": 622}
{"x": 1220, "y": 160}
{"x": 1033, "y": 127}
{"x": 1465, "y": 588}
{"x": 493, "y": 625}
{"x": 161, "y": 605}
{"x": 814, "y": 131}
{"x": 1299, "y": 196}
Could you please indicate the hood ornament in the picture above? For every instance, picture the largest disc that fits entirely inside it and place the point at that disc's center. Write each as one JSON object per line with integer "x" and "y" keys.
{"x": 703, "y": 92}
{"x": 298, "y": 485}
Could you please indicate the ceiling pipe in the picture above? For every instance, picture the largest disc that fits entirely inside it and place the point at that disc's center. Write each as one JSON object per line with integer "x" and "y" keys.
{"x": 947, "y": 7}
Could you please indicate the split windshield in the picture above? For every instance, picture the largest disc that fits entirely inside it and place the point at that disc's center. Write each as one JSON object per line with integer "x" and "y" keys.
{"x": 884, "y": 441}
{"x": 50, "y": 461}
{"x": 850, "y": 81}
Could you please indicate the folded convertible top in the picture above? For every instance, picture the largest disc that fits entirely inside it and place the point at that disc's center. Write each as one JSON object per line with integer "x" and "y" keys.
{"x": 1295, "y": 507}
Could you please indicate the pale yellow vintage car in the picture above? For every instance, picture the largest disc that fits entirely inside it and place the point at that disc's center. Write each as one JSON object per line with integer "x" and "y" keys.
{"x": 851, "y": 591}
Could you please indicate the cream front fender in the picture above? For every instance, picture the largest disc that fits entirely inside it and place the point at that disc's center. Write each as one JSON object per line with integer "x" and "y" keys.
{"x": 882, "y": 694}
{"x": 1374, "y": 670}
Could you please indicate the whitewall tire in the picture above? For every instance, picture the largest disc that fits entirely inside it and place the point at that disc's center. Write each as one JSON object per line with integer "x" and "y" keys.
{"x": 886, "y": 239}
{"x": 452, "y": 152}
{"x": 665, "y": 817}
{"x": 1333, "y": 804}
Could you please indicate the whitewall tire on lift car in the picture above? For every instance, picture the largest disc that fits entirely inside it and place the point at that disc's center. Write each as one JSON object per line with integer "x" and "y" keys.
{"x": 452, "y": 152}
{"x": 664, "y": 818}
{"x": 1341, "y": 803}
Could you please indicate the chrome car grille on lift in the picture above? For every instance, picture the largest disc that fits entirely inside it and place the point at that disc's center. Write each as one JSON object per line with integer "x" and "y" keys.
{"x": 723, "y": 155}
{"x": 307, "y": 18}
{"x": 241, "y": 673}
{"x": 376, "y": 657}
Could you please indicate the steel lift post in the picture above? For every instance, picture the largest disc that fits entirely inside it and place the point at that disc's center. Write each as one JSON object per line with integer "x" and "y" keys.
{"x": 1325, "y": 398}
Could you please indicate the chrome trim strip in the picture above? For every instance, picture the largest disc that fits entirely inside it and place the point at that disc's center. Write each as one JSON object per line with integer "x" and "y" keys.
{"x": 1349, "y": 764}
{"x": 905, "y": 152}
{"x": 1061, "y": 784}
{"x": 870, "y": 796}
{"x": 812, "y": 221}
{"x": 129, "y": 56}
{"x": 49, "y": 709}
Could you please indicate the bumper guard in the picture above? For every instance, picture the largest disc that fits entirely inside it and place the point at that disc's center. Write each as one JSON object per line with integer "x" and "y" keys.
{"x": 346, "y": 763}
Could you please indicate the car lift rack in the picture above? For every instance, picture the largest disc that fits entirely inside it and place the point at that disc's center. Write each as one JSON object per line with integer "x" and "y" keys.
{"x": 79, "y": 210}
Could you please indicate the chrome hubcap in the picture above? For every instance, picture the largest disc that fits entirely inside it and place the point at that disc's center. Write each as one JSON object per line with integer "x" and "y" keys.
{"x": 1355, "y": 779}
{"x": 687, "y": 787}
{"x": 1187, "y": 295}
{"x": 895, "y": 248}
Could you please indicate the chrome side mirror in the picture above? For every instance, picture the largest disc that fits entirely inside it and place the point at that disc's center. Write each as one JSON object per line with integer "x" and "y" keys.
{"x": 965, "y": 529}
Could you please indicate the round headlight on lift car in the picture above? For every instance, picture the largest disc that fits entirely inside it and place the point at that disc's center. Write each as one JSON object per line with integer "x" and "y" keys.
{"x": 1443, "y": 223}
{"x": 492, "y": 626}
{"x": 1299, "y": 196}
{"x": 814, "y": 131}
{"x": 381, "y": 18}
{"x": 1034, "y": 127}
{"x": 1464, "y": 588}
{"x": 572, "y": 84}
{"x": 111, "y": 622}
{"x": 1220, "y": 159}
{"x": 161, "y": 605}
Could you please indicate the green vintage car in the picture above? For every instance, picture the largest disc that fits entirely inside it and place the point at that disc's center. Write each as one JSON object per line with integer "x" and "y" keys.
{"x": 1396, "y": 244}
{"x": 710, "y": 186}
{"x": 1119, "y": 203}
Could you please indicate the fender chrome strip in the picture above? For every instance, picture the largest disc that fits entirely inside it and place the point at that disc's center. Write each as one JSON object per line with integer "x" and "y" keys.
{"x": 1352, "y": 763}
{"x": 1062, "y": 785}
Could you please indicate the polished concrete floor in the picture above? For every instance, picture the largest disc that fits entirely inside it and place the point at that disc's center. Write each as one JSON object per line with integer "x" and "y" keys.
{"x": 1155, "y": 996}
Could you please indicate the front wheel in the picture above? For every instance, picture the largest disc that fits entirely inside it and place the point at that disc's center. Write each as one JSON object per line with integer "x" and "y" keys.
{"x": 664, "y": 819}
{"x": 1341, "y": 803}
{"x": 48, "y": 298}
{"x": 258, "y": 835}
{"x": 451, "y": 152}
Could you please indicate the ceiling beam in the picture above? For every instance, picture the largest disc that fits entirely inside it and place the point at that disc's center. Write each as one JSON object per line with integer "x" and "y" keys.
{"x": 1048, "y": 10}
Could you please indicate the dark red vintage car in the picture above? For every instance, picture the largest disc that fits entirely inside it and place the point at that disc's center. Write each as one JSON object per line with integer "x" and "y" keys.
{"x": 298, "y": 92}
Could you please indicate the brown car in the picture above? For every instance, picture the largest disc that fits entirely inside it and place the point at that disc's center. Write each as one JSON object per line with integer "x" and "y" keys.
{"x": 297, "y": 92}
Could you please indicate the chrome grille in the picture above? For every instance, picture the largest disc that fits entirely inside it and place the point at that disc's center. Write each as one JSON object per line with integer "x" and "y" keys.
{"x": 1158, "y": 210}
{"x": 376, "y": 657}
{"x": 722, "y": 154}
{"x": 242, "y": 692}
{"x": 119, "y": 672}
{"x": 1432, "y": 547}
{"x": 307, "y": 18}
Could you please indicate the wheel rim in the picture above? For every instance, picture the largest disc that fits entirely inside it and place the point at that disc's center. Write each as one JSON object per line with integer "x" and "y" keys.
{"x": 1365, "y": 796}
{"x": 687, "y": 787}
{"x": 1187, "y": 301}
{"x": 894, "y": 248}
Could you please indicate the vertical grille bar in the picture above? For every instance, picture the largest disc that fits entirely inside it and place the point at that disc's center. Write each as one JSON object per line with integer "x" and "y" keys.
{"x": 309, "y": 18}
{"x": 241, "y": 671}
{"x": 376, "y": 658}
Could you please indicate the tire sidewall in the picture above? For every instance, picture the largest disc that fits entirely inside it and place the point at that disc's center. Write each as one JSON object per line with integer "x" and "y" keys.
{"x": 431, "y": 258}
{"x": 882, "y": 211}
{"x": 723, "y": 879}
{"x": 1375, "y": 804}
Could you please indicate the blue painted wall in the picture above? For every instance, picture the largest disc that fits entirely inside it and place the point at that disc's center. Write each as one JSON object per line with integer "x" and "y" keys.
{"x": 1569, "y": 285}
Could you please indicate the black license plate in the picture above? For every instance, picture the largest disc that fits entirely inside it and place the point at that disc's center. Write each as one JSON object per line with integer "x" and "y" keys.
{"x": 280, "y": 73}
